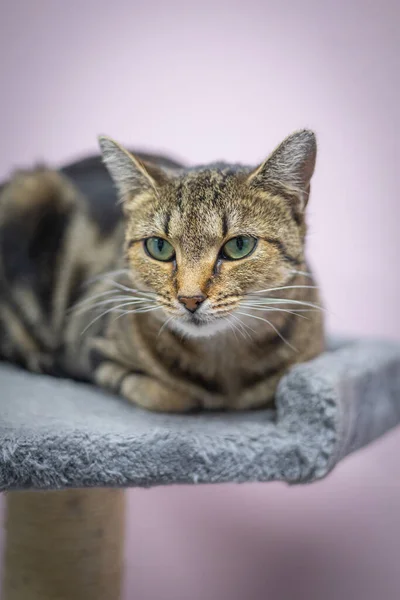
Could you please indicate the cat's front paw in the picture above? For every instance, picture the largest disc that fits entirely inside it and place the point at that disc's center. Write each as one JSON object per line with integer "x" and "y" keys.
{"x": 154, "y": 395}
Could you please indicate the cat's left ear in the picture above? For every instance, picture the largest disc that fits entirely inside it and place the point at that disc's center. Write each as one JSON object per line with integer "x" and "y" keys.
{"x": 289, "y": 168}
{"x": 130, "y": 174}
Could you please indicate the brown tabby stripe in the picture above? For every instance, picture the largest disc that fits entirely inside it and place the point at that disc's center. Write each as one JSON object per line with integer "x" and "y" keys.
{"x": 197, "y": 378}
{"x": 281, "y": 247}
{"x": 166, "y": 223}
{"x": 225, "y": 226}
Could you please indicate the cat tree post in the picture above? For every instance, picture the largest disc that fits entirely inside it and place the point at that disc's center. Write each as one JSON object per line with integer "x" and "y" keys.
{"x": 64, "y": 545}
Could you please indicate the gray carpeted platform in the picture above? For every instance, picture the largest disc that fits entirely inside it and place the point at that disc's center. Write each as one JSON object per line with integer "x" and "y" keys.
{"x": 58, "y": 433}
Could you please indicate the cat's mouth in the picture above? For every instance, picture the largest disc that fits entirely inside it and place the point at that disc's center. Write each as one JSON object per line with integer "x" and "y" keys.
{"x": 197, "y": 320}
{"x": 198, "y": 325}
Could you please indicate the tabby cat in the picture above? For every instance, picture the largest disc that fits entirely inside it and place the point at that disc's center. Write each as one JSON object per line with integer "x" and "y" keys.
{"x": 192, "y": 291}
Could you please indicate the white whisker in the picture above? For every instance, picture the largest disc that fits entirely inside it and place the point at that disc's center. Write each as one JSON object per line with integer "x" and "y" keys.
{"x": 268, "y": 309}
{"x": 107, "y": 274}
{"x": 244, "y": 325}
{"x": 273, "y": 327}
{"x": 107, "y": 278}
{"x": 163, "y": 326}
{"x": 242, "y": 329}
{"x": 286, "y": 287}
{"x": 116, "y": 299}
{"x": 109, "y": 310}
{"x": 305, "y": 273}
{"x": 143, "y": 309}
{"x": 289, "y": 301}
{"x": 232, "y": 327}
{"x": 269, "y": 306}
{"x": 91, "y": 298}
{"x": 129, "y": 289}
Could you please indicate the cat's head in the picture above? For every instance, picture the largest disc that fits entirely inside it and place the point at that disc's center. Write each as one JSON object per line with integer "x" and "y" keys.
{"x": 202, "y": 239}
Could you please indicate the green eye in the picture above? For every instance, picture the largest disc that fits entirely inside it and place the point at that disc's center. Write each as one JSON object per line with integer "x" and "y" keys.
{"x": 238, "y": 247}
{"x": 159, "y": 249}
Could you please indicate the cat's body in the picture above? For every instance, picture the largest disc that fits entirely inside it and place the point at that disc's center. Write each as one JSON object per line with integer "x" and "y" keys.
{"x": 207, "y": 330}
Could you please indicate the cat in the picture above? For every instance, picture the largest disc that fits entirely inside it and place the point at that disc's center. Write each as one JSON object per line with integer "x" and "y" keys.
{"x": 179, "y": 288}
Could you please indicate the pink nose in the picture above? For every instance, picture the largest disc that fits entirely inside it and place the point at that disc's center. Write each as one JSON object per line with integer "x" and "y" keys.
{"x": 191, "y": 303}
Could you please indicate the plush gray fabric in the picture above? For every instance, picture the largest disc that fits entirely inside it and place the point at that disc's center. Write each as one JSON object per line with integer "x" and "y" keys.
{"x": 56, "y": 433}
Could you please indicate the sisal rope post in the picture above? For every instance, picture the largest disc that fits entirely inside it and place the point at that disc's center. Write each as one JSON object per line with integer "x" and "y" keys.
{"x": 64, "y": 545}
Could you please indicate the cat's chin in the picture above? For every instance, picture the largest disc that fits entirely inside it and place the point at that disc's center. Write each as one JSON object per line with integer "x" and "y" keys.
{"x": 200, "y": 328}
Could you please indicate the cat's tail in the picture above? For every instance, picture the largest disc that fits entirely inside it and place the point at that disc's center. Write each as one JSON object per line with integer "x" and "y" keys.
{"x": 36, "y": 207}
{"x": 31, "y": 196}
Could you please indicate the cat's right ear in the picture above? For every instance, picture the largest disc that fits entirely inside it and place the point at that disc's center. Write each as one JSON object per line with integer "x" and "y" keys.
{"x": 289, "y": 168}
{"x": 130, "y": 174}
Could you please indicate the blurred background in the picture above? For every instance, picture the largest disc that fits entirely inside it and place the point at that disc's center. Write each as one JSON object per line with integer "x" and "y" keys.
{"x": 230, "y": 79}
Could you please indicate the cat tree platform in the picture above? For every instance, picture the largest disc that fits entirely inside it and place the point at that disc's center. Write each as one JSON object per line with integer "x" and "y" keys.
{"x": 62, "y": 435}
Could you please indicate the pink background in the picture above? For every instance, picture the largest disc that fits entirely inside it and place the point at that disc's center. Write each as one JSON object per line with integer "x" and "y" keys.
{"x": 211, "y": 80}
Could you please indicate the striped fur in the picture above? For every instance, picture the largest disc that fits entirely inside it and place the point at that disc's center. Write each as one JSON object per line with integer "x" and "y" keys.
{"x": 62, "y": 232}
